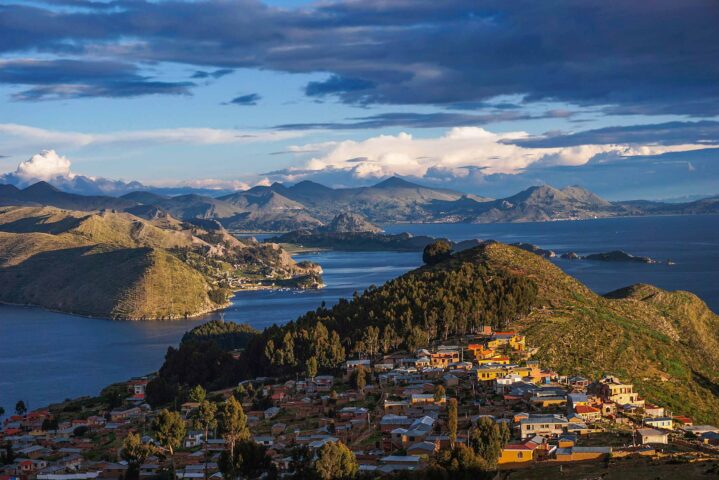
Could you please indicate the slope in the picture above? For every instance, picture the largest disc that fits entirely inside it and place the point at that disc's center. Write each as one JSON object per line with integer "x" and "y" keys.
{"x": 664, "y": 342}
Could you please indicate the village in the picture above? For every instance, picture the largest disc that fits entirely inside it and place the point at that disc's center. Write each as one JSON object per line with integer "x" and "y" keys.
{"x": 394, "y": 413}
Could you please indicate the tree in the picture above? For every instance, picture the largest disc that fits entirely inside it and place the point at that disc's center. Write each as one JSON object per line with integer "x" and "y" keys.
{"x": 248, "y": 460}
{"x": 487, "y": 441}
{"x": 312, "y": 367}
{"x": 134, "y": 452}
{"x": 20, "y": 408}
{"x": 233, "y": 424}
{"x": 452, "y": 421}
{"x": 197, "y": 394}
{"x": 436, "y": 252}
{"x": 359, "y": 378}
{"x": 335, "y": 461}
{"x": 169, "y": 428}
{"x": 439, "y": 393}
{"x": 205, "y": 419}
{"x": 2, "y": 412}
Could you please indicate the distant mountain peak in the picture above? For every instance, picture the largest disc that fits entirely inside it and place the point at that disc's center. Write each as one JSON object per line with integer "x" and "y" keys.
{"x": 396, "y": 182}
{"x": 41, "y": 187}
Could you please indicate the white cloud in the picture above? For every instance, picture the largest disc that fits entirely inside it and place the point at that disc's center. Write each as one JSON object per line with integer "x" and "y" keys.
{"x": 453, "y": 152}
{"x": 45, "y": 165}
{"x": 28, "y": 137}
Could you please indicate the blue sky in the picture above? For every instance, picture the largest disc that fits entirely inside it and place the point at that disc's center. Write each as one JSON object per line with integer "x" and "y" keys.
{"x": 486, "y": 97}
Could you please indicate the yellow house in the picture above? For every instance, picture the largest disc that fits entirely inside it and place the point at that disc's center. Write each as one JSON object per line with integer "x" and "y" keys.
{"x": 486, "y": 373}
{"x": 517, "y": 453}
{"x": 513, "y": 340}
{"x": 494, "y": 359}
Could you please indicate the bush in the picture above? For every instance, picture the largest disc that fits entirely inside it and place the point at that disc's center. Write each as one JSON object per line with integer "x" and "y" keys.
{"x": 437, "y": 252}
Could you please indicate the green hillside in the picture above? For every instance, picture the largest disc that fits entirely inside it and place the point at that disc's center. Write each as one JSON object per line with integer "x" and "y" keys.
{"x": 665, "y": 342}
{"x": 117, "y": 265}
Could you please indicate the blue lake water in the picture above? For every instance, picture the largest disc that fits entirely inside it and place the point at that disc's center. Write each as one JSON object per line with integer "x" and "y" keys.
{"x": 47, "y": 357}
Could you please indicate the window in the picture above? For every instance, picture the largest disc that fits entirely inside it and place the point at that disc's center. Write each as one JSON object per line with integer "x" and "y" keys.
{"x": 520, "y": 455}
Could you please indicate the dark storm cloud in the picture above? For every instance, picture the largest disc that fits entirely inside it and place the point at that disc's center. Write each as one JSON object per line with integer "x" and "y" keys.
{"x": 630, "y": 57}
{"x": 424, "y": 120}
{"x": 670, "y": 133}
{"x": 74, "y": 79}
{"x": 245, "y": 100}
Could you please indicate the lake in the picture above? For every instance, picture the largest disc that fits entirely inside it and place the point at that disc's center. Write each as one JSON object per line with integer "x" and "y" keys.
{"x": 47, "y": 357}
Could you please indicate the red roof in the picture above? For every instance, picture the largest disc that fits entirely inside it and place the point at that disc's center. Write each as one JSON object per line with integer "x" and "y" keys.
{"x": 528, "y": 445}
{"x": 585, "y": 409}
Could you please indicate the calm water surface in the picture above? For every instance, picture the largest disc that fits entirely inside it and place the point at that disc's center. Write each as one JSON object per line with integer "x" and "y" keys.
{"x": 47, "y": 357}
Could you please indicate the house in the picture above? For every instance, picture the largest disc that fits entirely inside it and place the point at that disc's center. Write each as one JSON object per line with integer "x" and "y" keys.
{"x": 575, "y": 399}
{"x": 588, "y": 413}
{"x": 422, "y": 448}
{"x": 411, "y": 460}
{"x": 660, "y": 422}
{"x": 579, "y": 454}
{"x": 653, "y": 410}
{"x": 271, "y": 412}
{"x": 122, "y": 414}
{"x": 450, "y": 380}
{"x": 546, "y": 425}
{"x": 503, "y": 384}
{"x": 519, "y": 452}
{"x": 488, "y": 373}
{"x": 427, "y": 399}
{"x": 324, "y": 383}
{"x": 354, "y": 364}
{"x": 494, "y": 360}
{"x": 611, "y": 389}
{"x": 578, "y": 382}
{"x": 652, "y": 435}
{"x": 390, "y": 422}
{"x": 266, "y": 440}
{"x": 443, "y": 358}
{"x": 512, "y": 340}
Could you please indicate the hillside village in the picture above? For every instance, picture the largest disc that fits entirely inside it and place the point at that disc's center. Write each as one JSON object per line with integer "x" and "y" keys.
{"x": 401, "y": 412}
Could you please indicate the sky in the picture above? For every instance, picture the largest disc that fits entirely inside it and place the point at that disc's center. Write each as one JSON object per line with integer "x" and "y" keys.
{"x": 486, "y": 97}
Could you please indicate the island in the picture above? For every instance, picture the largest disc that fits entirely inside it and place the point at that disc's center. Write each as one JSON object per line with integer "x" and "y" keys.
{"x": 118, "y": 265}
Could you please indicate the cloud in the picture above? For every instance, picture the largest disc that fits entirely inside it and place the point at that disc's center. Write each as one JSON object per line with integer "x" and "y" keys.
{"x": 62, "y": 79}
{"x": 201, "y": 74}
{"x": 337, "y": 84}
{"x": 250, "y": 99}
{"x": 24, "y": 137}
{"x": 425, "y": 120}
{"x": 459, "y": 153}
{"x": 670, "y": 133}
{"x": 45, "y": 165}
{"x": 625, "y": 57}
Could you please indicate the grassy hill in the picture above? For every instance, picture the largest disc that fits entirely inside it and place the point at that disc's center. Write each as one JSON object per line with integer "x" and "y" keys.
{"x": 664, "y": 342}
{"x": 116, "y": 265}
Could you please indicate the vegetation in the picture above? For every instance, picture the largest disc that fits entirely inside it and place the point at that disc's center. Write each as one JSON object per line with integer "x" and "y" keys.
{"x": 335, "y": 462}
{"x": 228, "y": 335}
{"x": 452, "y": 298}
{"x": 436, "y": 252}
{"x": 169, "y": 429}
{"x": 121, "y": 266}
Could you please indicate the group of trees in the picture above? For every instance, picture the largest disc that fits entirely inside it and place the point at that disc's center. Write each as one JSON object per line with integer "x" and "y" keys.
{"x": 195, "y": 362}
{"x": 454, "y": 297}
{"x": 228, "y": 335}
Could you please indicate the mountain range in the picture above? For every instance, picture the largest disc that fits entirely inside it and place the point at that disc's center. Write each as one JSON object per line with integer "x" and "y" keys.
{"x": 308, "y": 205}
